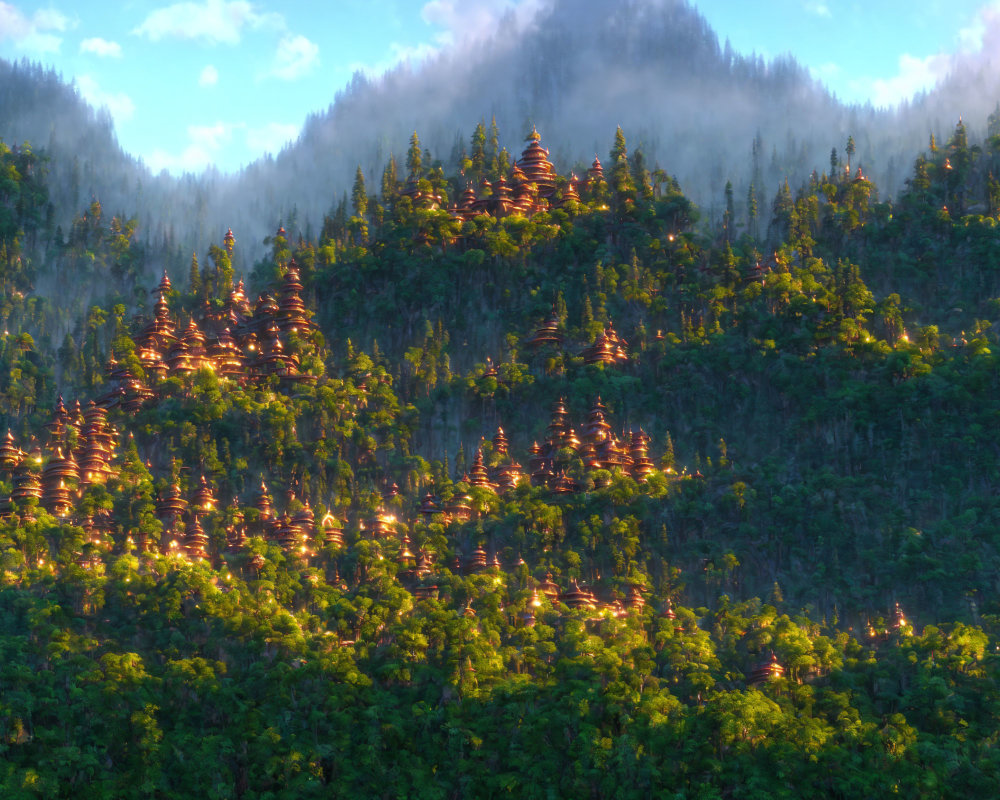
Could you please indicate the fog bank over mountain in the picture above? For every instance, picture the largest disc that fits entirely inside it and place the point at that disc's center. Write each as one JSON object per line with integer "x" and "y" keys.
{"x": 576, "y": 69}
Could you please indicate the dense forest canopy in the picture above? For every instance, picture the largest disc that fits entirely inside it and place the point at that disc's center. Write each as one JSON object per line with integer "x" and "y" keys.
{"x": 506, "y": 479}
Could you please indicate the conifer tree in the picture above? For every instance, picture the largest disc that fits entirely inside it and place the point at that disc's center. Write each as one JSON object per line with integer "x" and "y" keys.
{"x": 195, "y": 274}
{"x": 359, "y": 196}
{"x": 641, "y": 176}
{"x": 622, "y": 185}
{"x": 478, "y": 156}
{"x": 493, "y": 148}
{"x": 390, "y": 181}
{"x": 414, "y": 160}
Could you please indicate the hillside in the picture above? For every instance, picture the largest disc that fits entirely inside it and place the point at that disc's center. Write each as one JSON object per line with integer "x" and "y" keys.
{"x": 538, "y": 486}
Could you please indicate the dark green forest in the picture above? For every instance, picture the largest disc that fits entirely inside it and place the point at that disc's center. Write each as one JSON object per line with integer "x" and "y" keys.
{"x": 508, "y": 482}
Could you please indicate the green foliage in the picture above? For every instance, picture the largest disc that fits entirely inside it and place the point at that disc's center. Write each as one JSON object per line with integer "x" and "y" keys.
{"x": 823, "y": 420}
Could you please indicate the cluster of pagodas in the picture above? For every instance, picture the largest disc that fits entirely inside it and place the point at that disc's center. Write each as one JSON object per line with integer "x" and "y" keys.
{"x": 597, "y": 445}
{"x": 78, "y": 453}
{"x": 532, "y": 187}
{"x": 607, "y": 348}
{"x": 293, "y": 529}
{"x": 238, "y": 341}
{"x": 420, "y": 572}
{"x": 297, "y": 533}
{"x": 900, "y": 627}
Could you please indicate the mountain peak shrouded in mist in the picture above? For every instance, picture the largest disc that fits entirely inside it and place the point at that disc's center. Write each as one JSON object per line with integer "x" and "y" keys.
{"x": 575, "y": 69}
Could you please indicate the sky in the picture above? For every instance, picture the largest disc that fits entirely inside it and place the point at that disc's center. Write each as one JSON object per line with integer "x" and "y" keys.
{"x": 202, "y": 83}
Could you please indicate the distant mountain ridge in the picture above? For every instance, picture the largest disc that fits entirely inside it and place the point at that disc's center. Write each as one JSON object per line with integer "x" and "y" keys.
{"x": 576, "y": 71}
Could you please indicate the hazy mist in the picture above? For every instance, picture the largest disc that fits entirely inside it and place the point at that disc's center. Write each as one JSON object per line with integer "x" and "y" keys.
{"x": 576, "y": 69}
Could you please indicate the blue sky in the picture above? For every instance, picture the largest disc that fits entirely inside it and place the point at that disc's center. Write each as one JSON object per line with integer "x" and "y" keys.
{"x": 219, "y": 82}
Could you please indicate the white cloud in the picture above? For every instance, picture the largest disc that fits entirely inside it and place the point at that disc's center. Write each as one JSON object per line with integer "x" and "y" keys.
{"x": 465, "y": 21}
{"x": 212, "y": 137}
{"x": 817, "y": 7}
{"x": 295, "y": 57}
{"x": 826, "y": 71}
{"x": 101, "y": 47}
{"x": 212, "y": 21}
{"x": 398, "y": 54}
{"x": 13, "y": 24}
{"x": 462, "y": 23}
{"x": 204, "y": 144}
{"x": 984, "y": 30}
{"x": 34, "y": 34}
{"x": 118, "y": 103}
{"x": 50, "y": 19}
{"x": 272, "y": 137}
{"x": 41, "y": 43}
{"x": 976, "y": 45}
{"x": 915, "y": 75}
{"x": 975, "y": 49}
{"x": 209, "y": 76}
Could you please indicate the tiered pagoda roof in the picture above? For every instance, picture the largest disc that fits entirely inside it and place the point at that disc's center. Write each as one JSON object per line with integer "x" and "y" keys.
{"x": 195, "y": 538}
{"x": 576, "y": 598}
{"x": 478, "y": 475}
{"x": 292, "y": 315}
{"x": 171, "y": 504}
{"x": 598, "y": 447}
{"x": 767, "y": 670}
{"x": 595, "y": 174}
{"x": 548, "y": 332}
{"x": 535, "y": 165}
{"x": 204, "y": 499}
{"x": 429, "y": 200}
{"x": 608, "y": 348}
{"x": 10, "y": 454}
{"x": 500, "y": 443}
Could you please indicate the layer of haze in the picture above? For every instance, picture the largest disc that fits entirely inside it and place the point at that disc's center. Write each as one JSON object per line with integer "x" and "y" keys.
{"x": 574, "y": 68}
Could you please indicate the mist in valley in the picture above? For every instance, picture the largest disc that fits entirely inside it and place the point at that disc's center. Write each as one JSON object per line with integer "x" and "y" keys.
{"x": 575, "y": 69}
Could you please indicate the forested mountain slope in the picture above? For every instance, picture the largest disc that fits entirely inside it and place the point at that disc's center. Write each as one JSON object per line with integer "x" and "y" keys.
{"x": 532, "y": 485}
